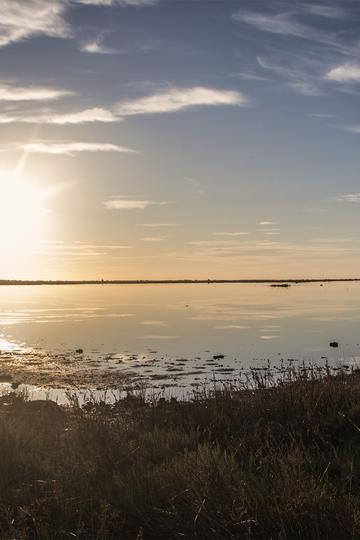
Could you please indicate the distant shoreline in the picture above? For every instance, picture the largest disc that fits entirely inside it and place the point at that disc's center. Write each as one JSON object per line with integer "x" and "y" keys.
{"x": 7, "y": 282}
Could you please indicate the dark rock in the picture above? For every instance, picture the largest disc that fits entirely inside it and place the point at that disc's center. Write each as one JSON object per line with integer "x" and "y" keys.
{"x": 334, "y": 344}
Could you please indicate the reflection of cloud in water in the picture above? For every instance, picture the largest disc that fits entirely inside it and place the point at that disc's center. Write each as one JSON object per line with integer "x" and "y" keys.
{"x": 154, "y": 323}
{"x": 57, "y": 315}
{"x": 272, "y": 326}
{"x": 235, "y": 316}
{"x": 9, "y": 321}
{"x": 244, "y": 322}
{"x": 270, "y": 329}
{"x": 159, "y": 337}
{"x": 330, "y": 318}
{"x": 258, "y": 305}
{"x": 231, "y": 327}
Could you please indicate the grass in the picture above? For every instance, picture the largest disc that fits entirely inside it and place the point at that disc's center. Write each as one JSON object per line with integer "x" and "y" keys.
{"x": 264, "y": 462}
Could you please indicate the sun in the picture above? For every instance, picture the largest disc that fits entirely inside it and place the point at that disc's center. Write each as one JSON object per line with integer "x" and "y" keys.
{"x": 22, "y": 213}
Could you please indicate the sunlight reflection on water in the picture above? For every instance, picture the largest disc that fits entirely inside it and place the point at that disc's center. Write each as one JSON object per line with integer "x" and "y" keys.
{"x": 172, "y": 331}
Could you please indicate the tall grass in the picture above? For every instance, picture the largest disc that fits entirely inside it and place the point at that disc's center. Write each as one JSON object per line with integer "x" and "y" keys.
{"x": 264, "y": 462}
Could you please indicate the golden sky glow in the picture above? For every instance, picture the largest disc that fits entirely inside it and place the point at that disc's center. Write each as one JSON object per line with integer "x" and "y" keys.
{"x": 151, "y": 139}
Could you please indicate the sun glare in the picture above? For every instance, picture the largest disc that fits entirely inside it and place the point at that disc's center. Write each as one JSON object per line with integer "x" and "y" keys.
{"x": 22, "y": 213}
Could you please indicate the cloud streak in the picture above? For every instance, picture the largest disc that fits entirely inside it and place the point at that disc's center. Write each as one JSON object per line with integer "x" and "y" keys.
{"x": 349, "y": 198}
{"x": 123, "y": 203}
{"x": 158, "y": 225}
{"x": 297, "y": 78}
{"x": 123, "y": 3}
{"x": 230, "y": 234}
{"x": 173, "y": 100}
{"x": 352, "y": 129}
{"x": 306, "y": 50}
{"x": 21, "y": 20}
{"x": 290, "y": 23}
{"x": 345, "y": 73}
{"x": 176, "y": 99}
{"x": 96, "y": 114}
{"x": 268, "y": 223}
{"x": 71, "y": 148}
{"x": 10, "y": 92}
{"x": 154, "y": 239}
{"x": 96, "y": 47}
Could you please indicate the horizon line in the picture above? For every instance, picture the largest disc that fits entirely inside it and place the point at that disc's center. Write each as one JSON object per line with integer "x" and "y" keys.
{"x": 4, "y": 282}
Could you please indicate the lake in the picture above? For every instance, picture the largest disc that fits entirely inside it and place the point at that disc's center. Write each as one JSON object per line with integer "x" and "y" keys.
{"x": 167, "y": 335}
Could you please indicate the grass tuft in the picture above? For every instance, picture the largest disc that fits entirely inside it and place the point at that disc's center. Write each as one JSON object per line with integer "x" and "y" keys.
{"x": 264, "y": 461}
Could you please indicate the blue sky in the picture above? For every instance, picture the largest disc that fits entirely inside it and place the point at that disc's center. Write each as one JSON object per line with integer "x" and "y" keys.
{"x": 179, "y": 138}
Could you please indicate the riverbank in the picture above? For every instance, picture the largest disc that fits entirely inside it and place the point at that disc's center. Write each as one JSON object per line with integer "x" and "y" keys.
{"x": 278, "y": 462}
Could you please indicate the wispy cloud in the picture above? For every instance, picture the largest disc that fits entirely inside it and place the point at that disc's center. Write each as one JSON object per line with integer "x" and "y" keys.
{"x": 297, "y": 78}
{"x": 280, "y": 23}
{"x": 230, "y": 233}
{"x": 124, "y": 3}
{"x": 71, "y": 148}
{"x": 156, "y": 225}
{"x": 96, "y": 46}
{"x": 252, "y": 77}
{"x": 269, "y": 228}
{"x": 173, "y": 100}
{"x": 301, "y": 47}
{"x": 252, "y": 251}
{"x": 332, "y": 240}
{"x": 330, "y": 12}
{"x": 177, "y": 99}
{"x": 268, "y": 223}
{"x": 290, "y": 22}
{"x": 154, "y": 239}
{"x": 352, "y": 129}
{"x": 80, "y": 249}
{"x": 345, "y": 73}
{"x": 349, "y": 198}
{"x": 23, "y": 19}
{"x": 12, "y": 92}
{"x": 325, "y": 116}
{"x": 20, "y": 20}
{"x": 123, "y": 203}
{"x": 313, "y": 210}
{"x": 97, "y": 114}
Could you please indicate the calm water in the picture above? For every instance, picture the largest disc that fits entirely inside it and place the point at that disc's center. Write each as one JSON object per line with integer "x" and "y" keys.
{"x": 174, "y": 330}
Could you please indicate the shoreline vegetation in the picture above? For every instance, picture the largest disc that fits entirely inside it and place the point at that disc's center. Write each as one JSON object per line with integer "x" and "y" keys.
{"x": 269, "y": 459}
{"x": 170, "y": 281}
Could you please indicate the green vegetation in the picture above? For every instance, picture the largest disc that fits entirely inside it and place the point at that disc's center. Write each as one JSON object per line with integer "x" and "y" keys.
{"x": 280, "y": 463}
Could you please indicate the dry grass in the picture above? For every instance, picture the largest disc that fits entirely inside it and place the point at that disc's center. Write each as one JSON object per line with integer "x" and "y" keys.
{"x": 266, "y": 463}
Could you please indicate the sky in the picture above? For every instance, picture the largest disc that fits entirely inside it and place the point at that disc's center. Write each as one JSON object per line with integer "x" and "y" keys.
{"x": 170, "y": 139}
